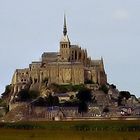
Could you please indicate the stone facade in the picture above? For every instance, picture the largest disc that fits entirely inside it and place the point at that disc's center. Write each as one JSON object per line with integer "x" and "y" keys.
{"x": 71, "y": 65}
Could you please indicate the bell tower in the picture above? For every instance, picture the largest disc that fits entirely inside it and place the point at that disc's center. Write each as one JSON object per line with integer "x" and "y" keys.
{"x": 65, "y": 44}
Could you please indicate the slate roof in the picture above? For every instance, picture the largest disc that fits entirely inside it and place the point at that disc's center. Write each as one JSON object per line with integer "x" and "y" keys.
{"x": 50, "y": 54}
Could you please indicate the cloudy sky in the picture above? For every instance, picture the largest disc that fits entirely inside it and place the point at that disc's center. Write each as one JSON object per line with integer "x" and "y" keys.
{"x": 107, "y": 28}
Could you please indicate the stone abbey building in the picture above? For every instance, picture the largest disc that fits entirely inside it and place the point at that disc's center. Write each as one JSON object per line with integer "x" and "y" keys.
{"x": 71, "y": 65}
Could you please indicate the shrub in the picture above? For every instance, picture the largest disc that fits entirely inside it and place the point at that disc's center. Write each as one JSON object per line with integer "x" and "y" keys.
{"x": 74, "y": 103}
{"x": 39, "y": 102}
{"x": 25, "y": 94}
{"x": 125, "y": 94}
{"x": 84, "y": 95}
{"x": 83, "y": 107}
{"x": 33, "y": 94}
{"x": 106, "y": 110}
{"x": 7, "y": 91}
{"x": 52, "y": 100}
{"x": 113, "y": 86}
{"x": 77, "y": 87}
{"x": 104, "y": 88}
{"x": 65, "y": 88}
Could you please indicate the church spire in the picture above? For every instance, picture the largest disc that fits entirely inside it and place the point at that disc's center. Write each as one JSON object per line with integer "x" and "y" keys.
{"x": 65, "y": 26}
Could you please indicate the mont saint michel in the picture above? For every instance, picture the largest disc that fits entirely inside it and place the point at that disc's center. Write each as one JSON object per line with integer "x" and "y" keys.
{"x": 71, "y": 65}
{"x": 69, "y": 70}
{"x": 65, "y": 85}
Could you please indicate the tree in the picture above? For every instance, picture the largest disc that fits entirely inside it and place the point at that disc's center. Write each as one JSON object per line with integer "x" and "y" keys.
{"x": 113, "y": 86}
{"x": 52, "y": 100}
{"x": 106, "y": 109}
{"x": 122, "y": 95}
{"x": 39, "y": 102}
{"x": 73, "y": 103}
{"x": 125, "y": 94}
{"x": 25, "y": 95}
{"x": 104, "y": 88}
{"x": 119, "y": 101}
{"x": 49, "y": 100}
{"x": 33, "y": 94}
{"x": 83, "y": 107}
{"x": 55, "y": 101}
{"x": 7, "y": 91}
{"x": 84, "y": 96}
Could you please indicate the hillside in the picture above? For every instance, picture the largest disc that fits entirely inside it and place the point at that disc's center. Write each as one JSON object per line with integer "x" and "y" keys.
{"x": 95, "y": 100}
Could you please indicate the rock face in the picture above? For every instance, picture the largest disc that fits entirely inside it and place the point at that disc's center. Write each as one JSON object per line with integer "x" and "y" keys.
{"x": 71, "y": 65}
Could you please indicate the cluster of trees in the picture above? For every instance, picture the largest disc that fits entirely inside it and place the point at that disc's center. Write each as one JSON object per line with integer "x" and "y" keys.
{"x": 27, "y": 95}
{"x": 65, "y": 88}
{"x": 122, "y": 95}
{"x": 104, "y": 88}
{"x": 47, "y": 101}
{"x": 84, "y": 95}
{"x": 7, "y": 91}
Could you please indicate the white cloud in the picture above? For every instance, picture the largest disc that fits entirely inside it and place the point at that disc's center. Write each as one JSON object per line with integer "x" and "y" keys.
{"x": 121, "y": 15}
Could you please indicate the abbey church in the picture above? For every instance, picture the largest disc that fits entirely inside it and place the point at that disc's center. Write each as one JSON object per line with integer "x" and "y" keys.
{"x": 71, "y": 65}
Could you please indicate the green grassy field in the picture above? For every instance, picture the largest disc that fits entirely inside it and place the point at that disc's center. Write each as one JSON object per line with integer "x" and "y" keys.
{"x": 84, "y": 130}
